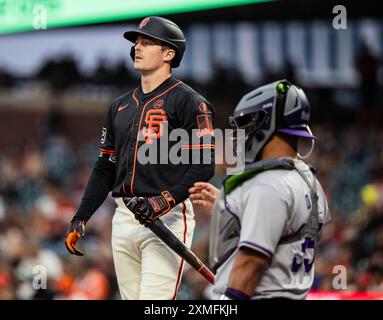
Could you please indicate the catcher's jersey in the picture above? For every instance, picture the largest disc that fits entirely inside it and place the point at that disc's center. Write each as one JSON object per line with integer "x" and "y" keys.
{"x": 273, "y": 204}
{"x": 137, "y": 125}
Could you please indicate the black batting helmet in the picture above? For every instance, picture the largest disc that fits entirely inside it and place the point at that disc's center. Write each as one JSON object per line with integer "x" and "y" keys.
{"x": 161, "y": 29}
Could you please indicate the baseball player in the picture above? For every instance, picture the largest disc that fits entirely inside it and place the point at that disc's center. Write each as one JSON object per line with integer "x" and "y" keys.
{"x": 143, "y": 119}
{"x": 266, "y": 220}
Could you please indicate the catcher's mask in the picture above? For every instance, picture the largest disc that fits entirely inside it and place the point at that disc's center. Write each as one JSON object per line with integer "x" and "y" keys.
{"x": 275, "y": 107}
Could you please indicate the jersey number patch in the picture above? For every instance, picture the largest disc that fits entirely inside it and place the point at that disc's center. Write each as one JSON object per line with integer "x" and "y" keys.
{"x": 154, "y": 124}
{"x": 301, "y": 258}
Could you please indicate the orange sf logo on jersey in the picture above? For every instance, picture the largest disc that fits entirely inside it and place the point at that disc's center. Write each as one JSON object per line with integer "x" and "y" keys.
{"x": 154, "y": 120}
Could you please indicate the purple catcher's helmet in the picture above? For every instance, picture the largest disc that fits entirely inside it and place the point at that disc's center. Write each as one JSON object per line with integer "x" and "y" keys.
{"x": 278, "y": 106}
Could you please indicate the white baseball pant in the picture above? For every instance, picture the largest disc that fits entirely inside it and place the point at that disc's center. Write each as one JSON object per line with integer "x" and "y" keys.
{"x": 146, "y": 268}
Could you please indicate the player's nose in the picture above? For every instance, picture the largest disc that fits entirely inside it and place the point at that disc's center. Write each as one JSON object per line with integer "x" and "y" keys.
{"x": 137, "y": 49}
{"x": 138, "y": 44}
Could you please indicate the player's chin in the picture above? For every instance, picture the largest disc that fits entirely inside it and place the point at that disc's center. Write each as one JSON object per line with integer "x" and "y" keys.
{"x": 143, "y": 69}
{"x": 138, "y": 65}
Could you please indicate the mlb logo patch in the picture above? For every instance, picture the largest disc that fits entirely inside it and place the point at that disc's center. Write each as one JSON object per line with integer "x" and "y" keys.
{"x": 103, "y": 135}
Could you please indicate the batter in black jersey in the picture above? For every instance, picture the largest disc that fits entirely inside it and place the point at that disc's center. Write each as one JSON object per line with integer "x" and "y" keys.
{"x": 140, "y": 123}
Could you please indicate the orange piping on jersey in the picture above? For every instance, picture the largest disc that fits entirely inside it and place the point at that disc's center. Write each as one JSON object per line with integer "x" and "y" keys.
{"x": 138, "y": 131}
{"x": 182, "y": 261}
{"x": 134, "y": 97}
{"x": 122, "y": 107}
{"x": 198, "y": 146}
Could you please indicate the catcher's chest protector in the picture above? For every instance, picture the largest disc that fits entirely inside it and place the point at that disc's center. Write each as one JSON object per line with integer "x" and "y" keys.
{"x": 225, "y": 224}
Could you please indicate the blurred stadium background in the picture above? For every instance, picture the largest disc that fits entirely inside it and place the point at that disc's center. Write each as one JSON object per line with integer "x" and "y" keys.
{"x": 56, "y": 86}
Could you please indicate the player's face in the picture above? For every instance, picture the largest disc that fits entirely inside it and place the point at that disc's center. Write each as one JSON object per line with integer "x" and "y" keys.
{"x": 149, "y": 55}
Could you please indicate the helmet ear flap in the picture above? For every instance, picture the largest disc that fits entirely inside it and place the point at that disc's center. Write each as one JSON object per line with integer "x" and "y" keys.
{"x": 132, "y": 52}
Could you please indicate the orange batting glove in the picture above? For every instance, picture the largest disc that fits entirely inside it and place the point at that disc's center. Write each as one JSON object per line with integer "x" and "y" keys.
{"x": 75, "y": 233}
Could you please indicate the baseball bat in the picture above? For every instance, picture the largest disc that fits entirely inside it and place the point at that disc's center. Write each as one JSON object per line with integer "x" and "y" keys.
{"x": 166, "y": 235}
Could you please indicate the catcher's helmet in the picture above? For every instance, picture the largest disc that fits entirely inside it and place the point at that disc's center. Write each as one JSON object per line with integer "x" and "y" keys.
{"x": 161, "y": 29}
{"x": 278, "y": 106}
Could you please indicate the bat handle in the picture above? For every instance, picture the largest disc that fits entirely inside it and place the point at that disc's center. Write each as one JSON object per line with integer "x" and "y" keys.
{"x": 158, "y": 227}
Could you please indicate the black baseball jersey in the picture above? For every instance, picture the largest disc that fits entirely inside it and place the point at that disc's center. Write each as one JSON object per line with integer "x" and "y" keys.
{"x": 139, "y": 125}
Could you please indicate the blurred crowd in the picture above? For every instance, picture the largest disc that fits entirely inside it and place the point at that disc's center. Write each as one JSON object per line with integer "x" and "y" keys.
{"x": 41, "y": 186}
{"x": 349, "y": 161}
{"x": 40, "y": 190}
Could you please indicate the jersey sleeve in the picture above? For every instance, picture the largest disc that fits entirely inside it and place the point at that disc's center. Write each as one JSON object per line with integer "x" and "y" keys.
{"x": 106, "y": 146}
{"x": 264, "y": 219}
{"x": 326, "y": 210}
{"x": 103, "y": 175}
{"x": 195, "y": 115}
{"x": 197, "y": 119}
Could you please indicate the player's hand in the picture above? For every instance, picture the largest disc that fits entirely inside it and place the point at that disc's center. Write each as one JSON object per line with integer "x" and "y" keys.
{"x": 75, "y": 232}
{"x": 147, "y": 210}
{"x": 204, "y": 194}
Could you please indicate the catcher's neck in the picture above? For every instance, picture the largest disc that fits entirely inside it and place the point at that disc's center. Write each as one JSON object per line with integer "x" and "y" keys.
{"x": 280, "y": 146}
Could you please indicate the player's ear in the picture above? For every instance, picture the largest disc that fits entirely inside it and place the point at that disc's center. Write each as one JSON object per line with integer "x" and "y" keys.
{"x": 169, "y": 54}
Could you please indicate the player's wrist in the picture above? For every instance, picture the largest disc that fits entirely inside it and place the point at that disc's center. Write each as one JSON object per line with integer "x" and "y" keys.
{"x": 163, "y": 202}
{"x": 169, "y": 198}
{"x": 234, "y": 294}
{"x": 77, "y": 218}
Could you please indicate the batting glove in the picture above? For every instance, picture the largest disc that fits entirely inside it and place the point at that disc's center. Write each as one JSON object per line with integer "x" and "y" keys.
{"x": 75, "y": 232}
{"x": 147, "y": 210}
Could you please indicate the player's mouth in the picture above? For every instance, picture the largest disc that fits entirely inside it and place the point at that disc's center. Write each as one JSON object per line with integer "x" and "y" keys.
{"x": 138, "y": 58}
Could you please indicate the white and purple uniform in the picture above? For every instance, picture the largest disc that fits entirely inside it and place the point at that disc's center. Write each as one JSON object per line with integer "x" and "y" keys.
{"x": 270, "y": 206}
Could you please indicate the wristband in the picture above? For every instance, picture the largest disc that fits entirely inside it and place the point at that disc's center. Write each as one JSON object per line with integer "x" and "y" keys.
{"x": 236, "y": 294}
